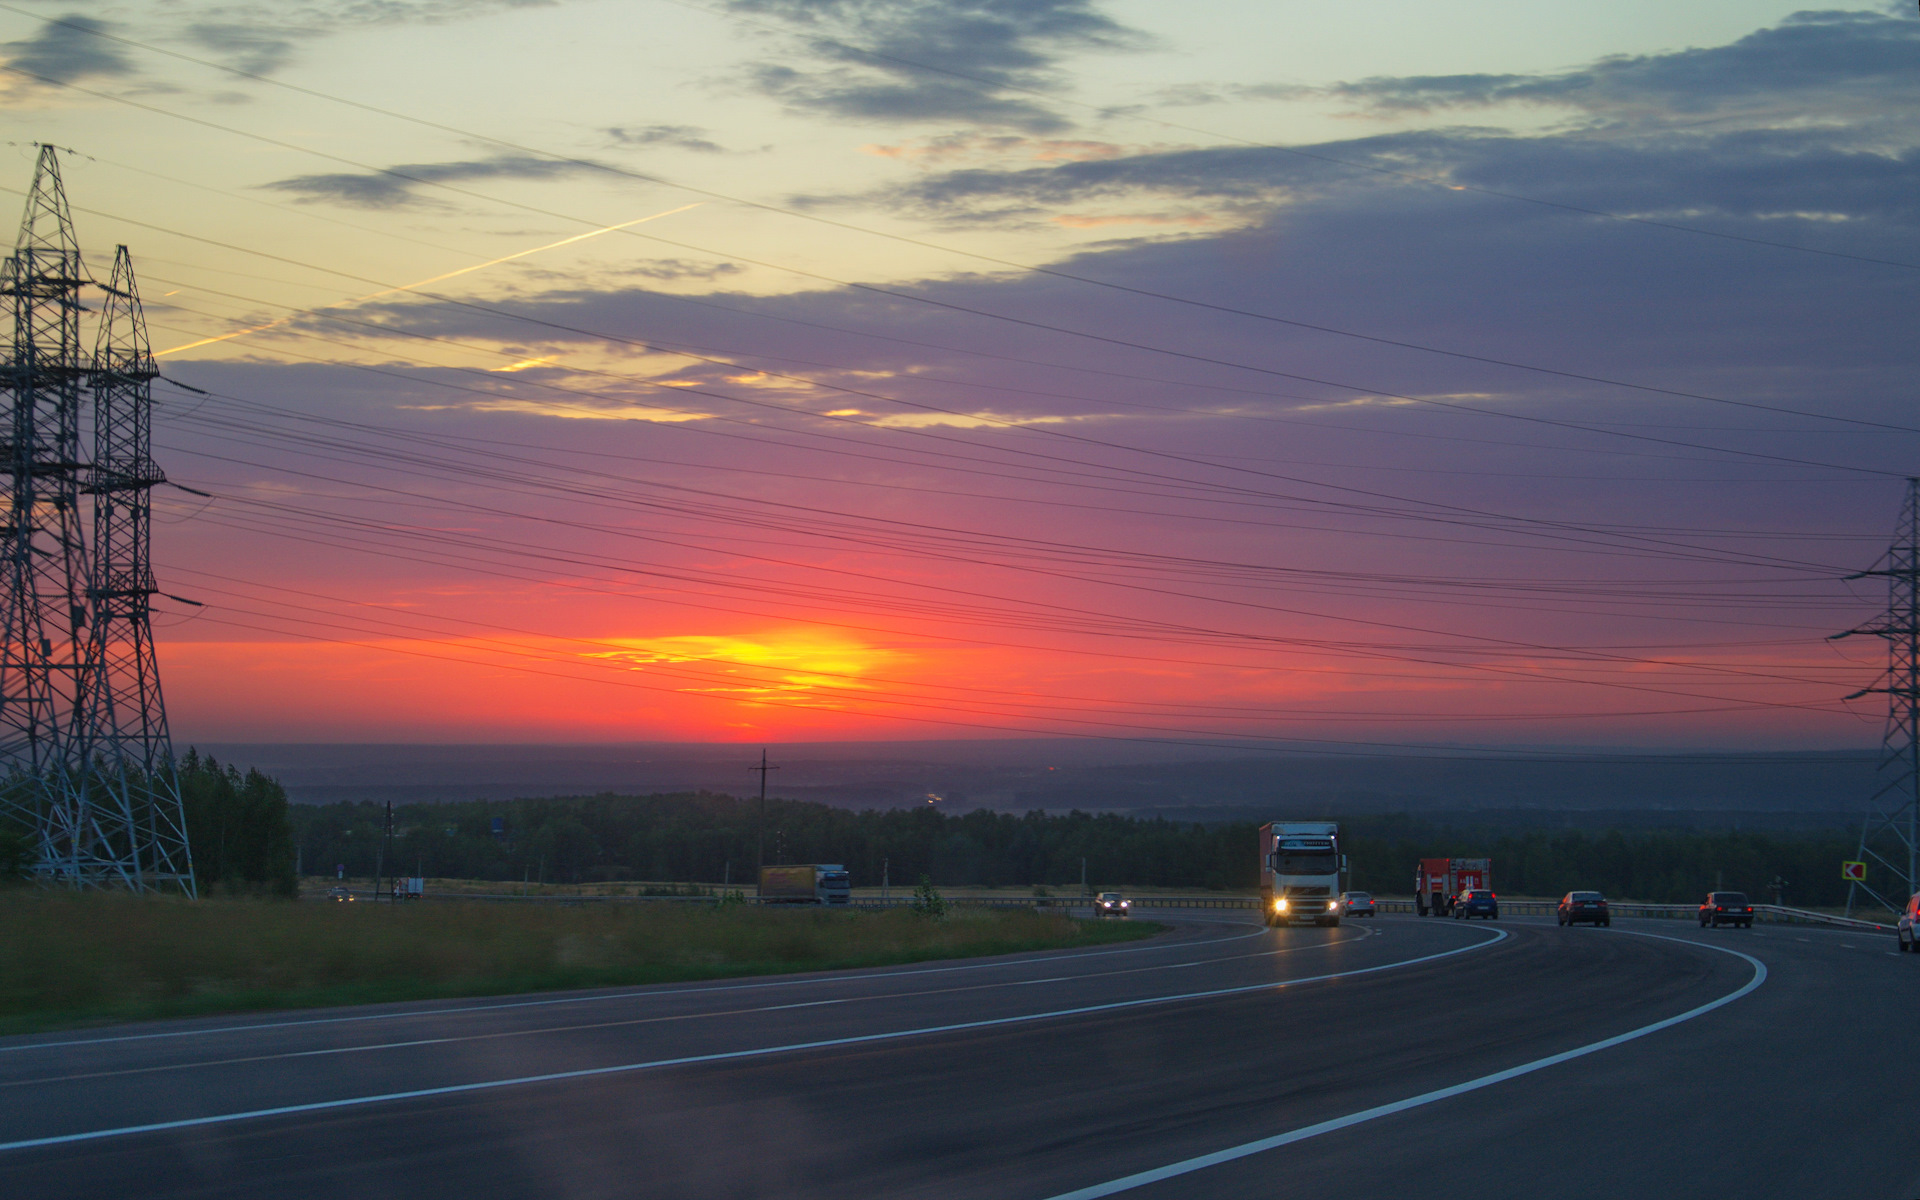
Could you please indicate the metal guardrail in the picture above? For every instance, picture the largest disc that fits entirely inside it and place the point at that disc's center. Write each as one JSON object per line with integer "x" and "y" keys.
{"x": 1769, "y": 913}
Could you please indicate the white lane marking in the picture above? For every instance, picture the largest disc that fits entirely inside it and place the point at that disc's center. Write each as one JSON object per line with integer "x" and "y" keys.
{"x": 712, "y": 1014}
{"x": 455, "y": 1089}
{"x": 1201, "y": 1163}
{"x": 653, "y": 991}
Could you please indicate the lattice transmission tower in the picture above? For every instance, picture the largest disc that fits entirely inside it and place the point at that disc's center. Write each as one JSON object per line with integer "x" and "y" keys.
{"x": 123, "y": 746}
{"x": 1890, "y": 834}
{"x": 86, "y": 764}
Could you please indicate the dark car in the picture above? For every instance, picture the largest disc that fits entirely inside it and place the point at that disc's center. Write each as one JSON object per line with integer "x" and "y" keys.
{"x": 1477, "y": 903}
{"x": 1584, "y": 906}
{"x": 339, "y": 895}
{"x": 1726, "y": 908}
{"x": 1111, "y": 904}
{"x": 1357, "y": 904}
{"x": 1909, "y": 928}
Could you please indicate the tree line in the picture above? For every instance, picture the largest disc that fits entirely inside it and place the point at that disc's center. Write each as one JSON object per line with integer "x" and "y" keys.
{"x": 238, "y": 831}
{"x": 709, "y": 838}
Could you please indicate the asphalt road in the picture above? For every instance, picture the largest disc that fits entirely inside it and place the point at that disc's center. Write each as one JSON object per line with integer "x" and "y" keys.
{"x": 1395, "y": 1057}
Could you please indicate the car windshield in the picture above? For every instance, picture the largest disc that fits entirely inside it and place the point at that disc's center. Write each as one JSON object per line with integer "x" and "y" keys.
{"x": 1479, "y": 895}
{"x": 1109, "y": 895}
{"x": 1730, "y": 898}
{"x": 1359, "y": 895}
{"x": 1584, "y": 896}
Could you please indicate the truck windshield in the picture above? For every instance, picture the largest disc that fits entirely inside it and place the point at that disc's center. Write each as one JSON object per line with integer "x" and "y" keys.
{"x": 1304, "y": 862}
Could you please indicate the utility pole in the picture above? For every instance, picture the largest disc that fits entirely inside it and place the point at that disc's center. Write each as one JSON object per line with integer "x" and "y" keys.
{"x": 386, "y": 856}
{"x": 1890, "y": 835}
{"x": 763, "y": 768}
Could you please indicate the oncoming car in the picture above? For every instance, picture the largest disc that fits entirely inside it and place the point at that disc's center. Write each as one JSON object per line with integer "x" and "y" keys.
{"x": 1584, "y": 906}
{"x": 1357, "y": 904}
{"x": 1478, "y": 902}
{"x": 1111, "y": 904}
{"x": 339, "y": 895}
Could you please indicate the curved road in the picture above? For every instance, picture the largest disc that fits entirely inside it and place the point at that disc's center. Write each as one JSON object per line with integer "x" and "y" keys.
{"x": 1393, "y": 1057}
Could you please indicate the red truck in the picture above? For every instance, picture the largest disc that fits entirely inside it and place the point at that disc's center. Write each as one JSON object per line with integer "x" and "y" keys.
{"x": 1439, "y": 880}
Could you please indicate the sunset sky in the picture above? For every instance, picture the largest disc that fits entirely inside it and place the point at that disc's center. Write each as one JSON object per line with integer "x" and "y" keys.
{"x": 1328, "y": 376}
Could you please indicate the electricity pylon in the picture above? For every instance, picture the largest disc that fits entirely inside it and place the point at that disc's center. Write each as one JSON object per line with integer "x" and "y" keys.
{"x": 85, "y": 761}
{"x": 42, "y": 610}
{"x": 124, "y": 749}
{"x": 1890, "y": 834}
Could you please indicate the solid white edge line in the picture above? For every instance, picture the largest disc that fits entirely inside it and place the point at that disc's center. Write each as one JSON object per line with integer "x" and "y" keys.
{"x": 727, "y": 1055}
{"x": 1201, "y": 1163}
{"x": 646, "y": 991}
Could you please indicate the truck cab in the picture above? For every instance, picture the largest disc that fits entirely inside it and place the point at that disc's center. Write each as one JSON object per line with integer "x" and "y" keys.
{"x": 832, "y": 884}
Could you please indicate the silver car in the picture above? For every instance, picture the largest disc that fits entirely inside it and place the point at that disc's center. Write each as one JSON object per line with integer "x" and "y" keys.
{"x": 1909, "y": 927}
{"x": 1357, "y": 904}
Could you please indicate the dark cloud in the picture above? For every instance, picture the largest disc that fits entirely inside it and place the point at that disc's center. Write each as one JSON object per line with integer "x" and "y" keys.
{"x": 396, "y": 186}
{"x": 1866, "y": 63}
{"x": 1766, "y": 177}
{"x": 260, "y": 50}
{"x": 932, "y": 60}
{"x": 1794, "y": 130}
{"x": 682, "y": 137}
{"x": 68, "y": 51}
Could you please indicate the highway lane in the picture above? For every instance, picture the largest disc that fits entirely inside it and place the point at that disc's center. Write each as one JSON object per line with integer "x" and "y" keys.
{"x": 1038, "y": 1107}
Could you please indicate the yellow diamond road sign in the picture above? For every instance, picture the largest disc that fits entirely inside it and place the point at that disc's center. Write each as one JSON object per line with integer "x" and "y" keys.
{"x": 1856, "y": 871}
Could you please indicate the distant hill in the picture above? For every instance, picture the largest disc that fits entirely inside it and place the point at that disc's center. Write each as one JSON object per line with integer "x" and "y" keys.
{"x": 1795, "y": 788}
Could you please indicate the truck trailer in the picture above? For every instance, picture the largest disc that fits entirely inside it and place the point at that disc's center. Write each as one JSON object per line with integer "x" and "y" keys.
{"x": 1439, "y": 880}
{"x": 1301, "y": 866}
{"x": 807, "y": 883}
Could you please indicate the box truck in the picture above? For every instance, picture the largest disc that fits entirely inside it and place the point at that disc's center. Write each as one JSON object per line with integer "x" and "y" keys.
{"x": 810, "y": 883}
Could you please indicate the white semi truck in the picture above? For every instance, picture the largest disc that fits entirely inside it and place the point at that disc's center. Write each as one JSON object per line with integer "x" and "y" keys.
{"x": 1301, "y": 868}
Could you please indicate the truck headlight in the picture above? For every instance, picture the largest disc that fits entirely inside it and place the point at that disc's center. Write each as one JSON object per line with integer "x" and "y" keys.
{"x": 1280, "y": 905}
{"x": 1332, "y": 904}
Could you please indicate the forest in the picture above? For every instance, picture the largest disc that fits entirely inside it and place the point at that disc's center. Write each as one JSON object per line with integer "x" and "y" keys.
{"x": 709, "y": 838}
{"x": 237, "y": 831}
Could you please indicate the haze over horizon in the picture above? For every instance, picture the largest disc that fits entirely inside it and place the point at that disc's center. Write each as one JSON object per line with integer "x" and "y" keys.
{"x": 1315, "y": 377}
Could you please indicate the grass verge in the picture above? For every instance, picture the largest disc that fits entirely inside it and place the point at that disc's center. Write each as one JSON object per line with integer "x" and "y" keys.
{"x": 68, "y": 959}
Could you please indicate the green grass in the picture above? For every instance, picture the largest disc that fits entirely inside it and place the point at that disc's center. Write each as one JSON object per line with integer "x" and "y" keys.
{"x": 69, "y": 959}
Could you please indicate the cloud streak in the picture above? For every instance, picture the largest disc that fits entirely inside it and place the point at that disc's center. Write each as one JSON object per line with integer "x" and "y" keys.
{"x": 398, "y": 185}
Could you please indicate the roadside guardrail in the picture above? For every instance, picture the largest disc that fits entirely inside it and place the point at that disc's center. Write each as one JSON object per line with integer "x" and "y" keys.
{"x": 1769, "y": 913}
